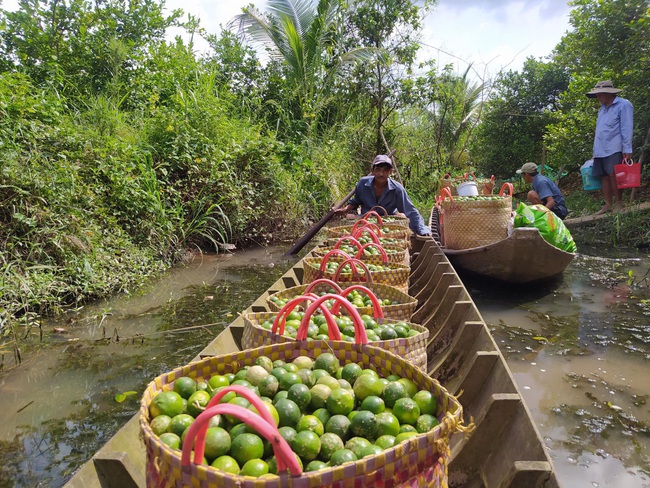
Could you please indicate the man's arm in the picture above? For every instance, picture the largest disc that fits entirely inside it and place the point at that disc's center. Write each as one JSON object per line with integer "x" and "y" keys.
{"x": 404, "y": 205}
{"x": 627, "y": 126}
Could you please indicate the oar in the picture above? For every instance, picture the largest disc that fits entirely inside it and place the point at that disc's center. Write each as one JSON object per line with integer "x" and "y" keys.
{"x": 317, "y": 226}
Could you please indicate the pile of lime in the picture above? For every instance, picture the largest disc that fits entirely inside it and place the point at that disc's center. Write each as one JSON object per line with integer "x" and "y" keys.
{"x": 318, "y": 330}
{"x": 329, "y": 414}
{"x": 357, "y": 298}
{"x": 332, "y": 266}
{"x": 478, "y": 198}
{"x": 384, "y": 241}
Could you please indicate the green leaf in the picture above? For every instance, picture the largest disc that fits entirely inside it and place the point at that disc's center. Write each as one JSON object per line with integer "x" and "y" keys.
{"x": 120, "y": 397}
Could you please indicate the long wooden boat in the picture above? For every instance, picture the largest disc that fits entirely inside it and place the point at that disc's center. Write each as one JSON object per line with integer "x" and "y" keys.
{"x": 505, "y": 449}
{"x": 523, "y": 257}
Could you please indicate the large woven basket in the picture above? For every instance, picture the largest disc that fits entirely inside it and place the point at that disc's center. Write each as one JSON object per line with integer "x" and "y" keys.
{"x": 420, "y": 461}
{"x": 394, "y": 253}
{"x": 413, "y": 349}
{"x": 468, "y": 223}
{"x": 402, "y": 310}
{"x": 314, "y": 268}
{"x": 394, "y": 231}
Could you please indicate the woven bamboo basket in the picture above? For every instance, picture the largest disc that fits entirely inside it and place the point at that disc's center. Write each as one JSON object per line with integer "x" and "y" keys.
{"x": 420, "y": 461}
{"x": 468, "y": 223}
{"x": 387, "y": 253}
{"x": 394, "y": 231}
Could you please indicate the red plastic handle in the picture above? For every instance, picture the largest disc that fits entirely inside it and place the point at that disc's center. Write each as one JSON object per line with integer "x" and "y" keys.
{"x": 445, "y": 192}
{"x": 364, "y": 224}
{"x": 371, "y": 233}
{"x": 352, "y": 240}
{"x": 372, "y": 213}
{"x": 333, "y": 252}
{"x": 196, "y": 436}
{"x": 359, "y": 330}
{"x": 504, "y": 187}
{"x": 378, "y": 312}
{"x": 332, "y": 329}
{"x": 325, "y": 281}
{"x": 281, "y": 318}
{"x": 382, "y": 251}
{"x": 353, "y": 264}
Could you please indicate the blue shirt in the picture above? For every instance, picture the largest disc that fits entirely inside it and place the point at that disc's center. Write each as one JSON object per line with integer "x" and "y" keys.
{"x": 546, "y": 188}
{"x": 614, "y": 129}
{"x": 393, "y": 199}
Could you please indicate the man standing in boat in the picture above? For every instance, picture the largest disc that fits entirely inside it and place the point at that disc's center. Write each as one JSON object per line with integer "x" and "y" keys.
{"x": 544, "y": 191}
{"x": 380, "y": 190}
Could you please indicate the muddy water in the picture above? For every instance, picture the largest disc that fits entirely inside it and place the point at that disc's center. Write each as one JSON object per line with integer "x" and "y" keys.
{"x": 579, "y": 351}
{"x": 59, "y": 407}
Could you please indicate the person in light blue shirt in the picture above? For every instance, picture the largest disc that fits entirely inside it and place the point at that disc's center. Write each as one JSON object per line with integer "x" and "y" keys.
{"x": 379, "y": 190}
{"x": 612, "y": 141}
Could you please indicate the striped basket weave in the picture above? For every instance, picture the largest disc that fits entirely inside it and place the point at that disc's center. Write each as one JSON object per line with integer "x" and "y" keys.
{"x": 420, "y": 461}
{"x": 396, "y": 254}
{"x": 394, "y": 231}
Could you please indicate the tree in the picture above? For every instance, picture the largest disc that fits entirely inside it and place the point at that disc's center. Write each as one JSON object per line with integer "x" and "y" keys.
{"x": 516, "y": 116}
{"x": 307, "y": 39}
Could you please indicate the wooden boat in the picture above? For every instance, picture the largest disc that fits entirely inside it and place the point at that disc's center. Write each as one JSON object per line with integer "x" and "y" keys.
{"x": 523, "y": 257}
{"x": 505, "y": 449}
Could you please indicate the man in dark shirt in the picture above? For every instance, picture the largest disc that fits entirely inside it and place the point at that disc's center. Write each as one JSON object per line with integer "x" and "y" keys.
{"x": 544, "y": 191}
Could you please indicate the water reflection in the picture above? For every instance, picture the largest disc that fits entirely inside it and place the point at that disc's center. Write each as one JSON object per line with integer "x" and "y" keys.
{"x": 578, "y": 350}
{"x": 59, "y": 405}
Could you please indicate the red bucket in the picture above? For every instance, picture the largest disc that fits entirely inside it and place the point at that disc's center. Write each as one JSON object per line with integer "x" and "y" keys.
{"x": 628, "y": 174}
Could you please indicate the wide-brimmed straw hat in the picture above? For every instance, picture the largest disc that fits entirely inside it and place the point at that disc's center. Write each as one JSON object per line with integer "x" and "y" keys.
{"x": 603, "y": 87}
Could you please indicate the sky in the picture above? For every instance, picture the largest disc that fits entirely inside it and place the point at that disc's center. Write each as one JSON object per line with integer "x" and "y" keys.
{"x": 490, "y": 34}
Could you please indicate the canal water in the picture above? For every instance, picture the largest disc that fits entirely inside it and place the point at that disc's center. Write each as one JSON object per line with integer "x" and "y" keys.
{"x": 578, "y": 349}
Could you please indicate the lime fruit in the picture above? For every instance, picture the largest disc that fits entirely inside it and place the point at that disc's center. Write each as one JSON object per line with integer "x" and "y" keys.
{"x": 242, "y": 402}
{"x": 364, "y": 424}
{"x": 329, "y": 444}
{"x": 330, "y": 381}
{"x": 411, "y": 387}
{"x": 306, "y": 444}
{"x": 238, "y": 429}
{"x": 268, "y": 386}
{"x": 319, "y": 396}
{"x": 288, "y": 380}
{"x": 322, "y": 414}
{"x": 287, "y": 433}
{"x": 406, "y": 411}
{"x": 356, "y": 445}
{"x": 300, "y": 394}
{"x": 407, "y": 428}
{"x": 310, "y": 422}
{"x": 370, "y": 450}
{"x": 327, "y": 361}
{"x": 167, "y": 403}
{"x": 217, "y": 443}
{"x": 179, "y": 423}
{"x": 254, "y": 375}
{"x": 160, "y": 424}
{"x": 307, "y": 377}
{"x": 217, "y": 381}
{"x": 197, "y": 402}
{"x": 393, "y": 391}
{"x": 339, "y": 425}
{"x": 426, "y": 401}
{"x": 304, "y": 362}
{"x": 265, "y": 362}
{"x": 288, "y": 411}
{"x": 342, "y": 456}
{"x": 340, "y": 402}
{"x": 387, "y": 424}
{"x": 255, "y": 468}
{"x": 185, "y": 386}
{"x": 245, "y": 447}
{"x": 385, "y": 441}
{"x": 425, "y": 423}
{"x": 404, "y": 436}
{"x": 367, "y": 385}
{"x": 315, "y": 465}
{"x": 227, "y": 464}
{"x": 373, "y": 404}
{"x": 171, "y": 439}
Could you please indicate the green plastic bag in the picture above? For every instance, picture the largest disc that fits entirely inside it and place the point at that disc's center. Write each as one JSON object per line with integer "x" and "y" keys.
{"x": 550, "y": 226}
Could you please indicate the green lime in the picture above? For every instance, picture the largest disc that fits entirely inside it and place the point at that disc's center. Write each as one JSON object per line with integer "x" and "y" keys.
{"x": 310, "y": 422}
{"x": 288, "y": 411}
{"x": 385, "y": 441}
{"x": 344, "y": 384}
{"x": 265, "y": 362}
{"x": 239, "y": 429}
{"x": 227, "y": 464}
{"x": 406, "y": 411}
{"x": 300, "y": 394}
{"x": 369, "y": 371}
{"x": 241, "y": 374}
{"x": 307, "y": 377}
{"x": 167, "y": 403}
{"x": 329, "y": 444}
{"x": 318, "y": 374}
{"x": 367, "y": 385}
{"x": 279, "y": 395}
{"x": 370, "y": 450}
{"x": 171, "y": 439}
{"x": 411, "y": 387}
{"x": 339, "y": 425}
{"x": 160, "y": 424}
{"x": 217, "y": 443}
{"x": 425, "y": 423}
{"x": 272, "y": 410}
{"x": 393, "y": 391}
{"x": 242, "y": 402}
{"x": 245, "y": 447}
{"x": 340, "y": 401}
{"x": 306, "y": 444}
{"x": 322, "y": 414}
{"x": 364, "y": 424}
{"x": 387, "y": 424}
{"x": 393, "y": 377}
{"x": 407, "y": 428}
{"x": 357, "y": 445}
{"x": 197, "y": 402}
{"x": 278, "y": 363}
{"x": 401, "y": 331}
{"x": 288, "y": 380}
{"x": 255, "y": 374}
{"x": 342, "y": 456}
{"x": 244, "y": 383}
{"x": 387, "y": 334}
{"x": 373, "y": 404}
{"x": 202, "y": 385}
{"x": 227, "y": 397}
{"x": 404, "y": 436}
{"x": 330, "y": 381}
{"x": 217, "y": 381}
{"x": 179, "y": 423}
{"x": 290, "y": 368}
{"x": 268, "y": 386}
{"x": 278, "y": 372}
{"x": 185, "y": 386}
{"x": 319, "y": 396}
{"x": 327, "y": 361}
{"x": 427, "y": 402}
{"x": 255, "y": 468}
{"x": 304, "y": 362}
{"x": 315, "y": 465}
{"x": 288, "y": 433}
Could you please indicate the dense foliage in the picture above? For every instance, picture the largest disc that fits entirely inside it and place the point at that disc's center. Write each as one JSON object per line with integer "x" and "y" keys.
{"x": 122, "y": 149}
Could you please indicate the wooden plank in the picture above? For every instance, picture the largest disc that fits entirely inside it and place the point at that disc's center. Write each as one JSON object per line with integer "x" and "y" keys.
{"x": 423, "y": 289}
{"x": 530, "y": 474}
{"x": 451, "y": 327}
{"x": 116, "y": 471}
{"x": 429, "y": 302}
{"x": 443, "y": 299}
{"x": 423, "y": 263}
